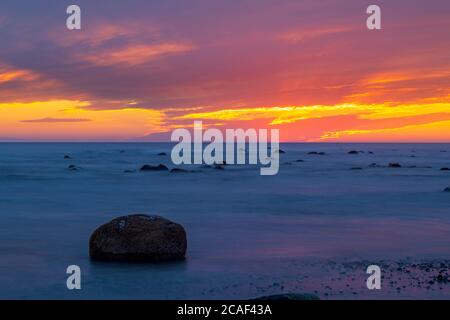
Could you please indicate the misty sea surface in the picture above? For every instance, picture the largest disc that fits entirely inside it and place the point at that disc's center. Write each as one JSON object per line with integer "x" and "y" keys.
{"x": 248, "y": 235}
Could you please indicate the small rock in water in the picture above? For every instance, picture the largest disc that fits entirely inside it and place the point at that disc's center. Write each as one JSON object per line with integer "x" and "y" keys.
{"x": 353, "y": 152}
{"x": 445, "y": 169}
{"x": 73, "y": 167}
{"x": 67, "y": 157}
{"x": 175, "y": 170}
{"x": 148, "y": 167}
{"x": 299, "y": 160}
{"x": 138, "y": 238}
{"x": 394, "y": 165}
{"x": 316, "y": 153}
{"x": 280, "y": 151}
{"x": 442, "y": 279}
{"x": 447, "y": 189}
{"x": 162, "y": 154}
{"x": 356, "y": 168}
{"x": 129, "y": 171}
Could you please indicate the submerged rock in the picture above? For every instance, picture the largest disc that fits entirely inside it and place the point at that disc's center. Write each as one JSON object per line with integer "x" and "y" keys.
{"x": 148, "y": 167}
{"x": 316, "y": 153}
{"x": 67, "y": 157}
{"x": 162, "y": 154}
{"x": 299, "y": 160}
{"x": 394, "y": 165}
{"x": 353, "y": 152}
{"x": 138, "y": 238}
{"x": 280, "y": 151}
{"x": 290, "y": 296}
{"x": 442, "y": 278}
{"x": 73, "y": 167}
{"x": 356, "y": 168}
{"x": 445, "y": 169}
{"x": 129, "y": 171}
{"x": 175, "y": 170}
{"x": 447, "y": 189}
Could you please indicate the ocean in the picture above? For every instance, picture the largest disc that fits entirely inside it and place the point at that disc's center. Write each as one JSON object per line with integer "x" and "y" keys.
{"x": 312, "y": 228}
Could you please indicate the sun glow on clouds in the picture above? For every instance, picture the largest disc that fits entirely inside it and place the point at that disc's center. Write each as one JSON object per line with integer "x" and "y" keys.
{"x": 316, "y": 79}
{"x": 289, "y": 114}
{"x": 430, "y": 132}
{"x": 405, "y": 75}
{"x": 69, "y": 119}
{"x": 375, "y": 122}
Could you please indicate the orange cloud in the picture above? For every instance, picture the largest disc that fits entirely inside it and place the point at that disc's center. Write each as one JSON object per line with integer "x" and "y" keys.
{"x": 102, "y": 32}
{"x": 303, "y": 35}
{"x": 135, "y": 54}
{"x": 137, "y": 43}
{"x": 8, "y": 74}
{"x": 437, "y": 131}
{"x": 404, "y": 75}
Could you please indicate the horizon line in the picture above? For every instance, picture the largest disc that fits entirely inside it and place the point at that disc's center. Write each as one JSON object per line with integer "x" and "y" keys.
{"x": 207, "y": 142}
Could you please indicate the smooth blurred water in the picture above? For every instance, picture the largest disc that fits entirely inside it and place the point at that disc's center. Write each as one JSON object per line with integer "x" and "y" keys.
{"x": 245, "y": 231}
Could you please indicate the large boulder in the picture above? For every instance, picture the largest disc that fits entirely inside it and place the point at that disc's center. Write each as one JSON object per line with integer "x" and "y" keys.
{"x": 138, "y": 238}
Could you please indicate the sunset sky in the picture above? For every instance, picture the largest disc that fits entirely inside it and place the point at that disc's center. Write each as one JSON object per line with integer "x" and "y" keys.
{"x": 139, "y": 69}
